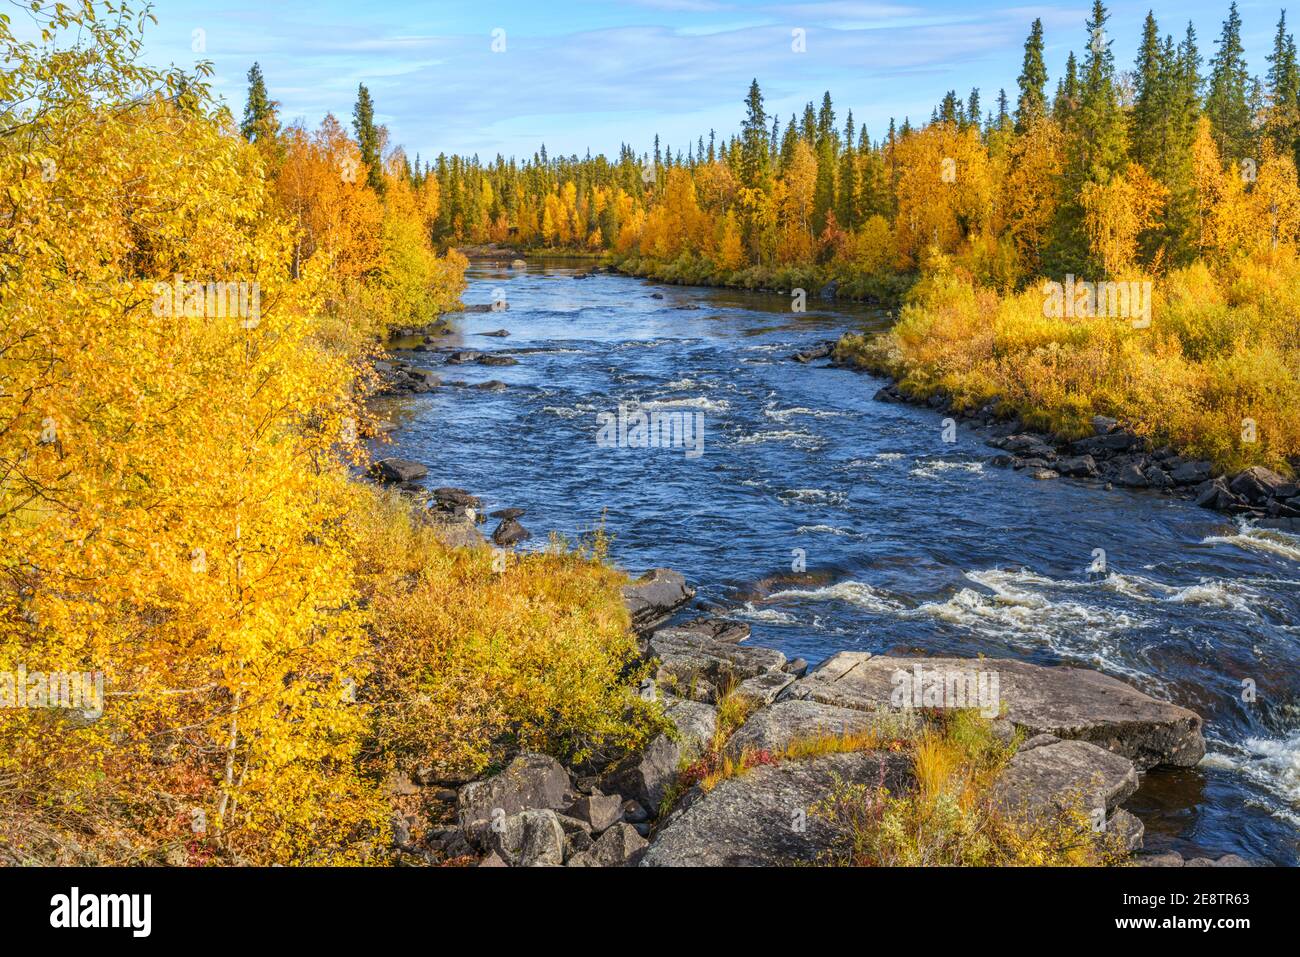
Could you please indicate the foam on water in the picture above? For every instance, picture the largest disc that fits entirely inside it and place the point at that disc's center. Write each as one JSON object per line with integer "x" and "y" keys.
{"x": 1271, "y": 763}
{"x": 812, "y": 496}
{"x": 1249, "y": 536}
{"x": 937, "y": 467}
{"x": 853, "y": 592}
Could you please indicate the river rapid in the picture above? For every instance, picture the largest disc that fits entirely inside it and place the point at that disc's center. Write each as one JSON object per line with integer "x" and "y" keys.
{"x": 907, "y": 541}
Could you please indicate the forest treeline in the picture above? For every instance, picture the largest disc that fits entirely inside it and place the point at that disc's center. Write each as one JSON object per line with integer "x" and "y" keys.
{"x": 1184, "y": 156}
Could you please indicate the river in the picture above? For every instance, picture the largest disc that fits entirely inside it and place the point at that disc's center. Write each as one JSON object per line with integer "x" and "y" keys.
{"x": 909, "y": 541}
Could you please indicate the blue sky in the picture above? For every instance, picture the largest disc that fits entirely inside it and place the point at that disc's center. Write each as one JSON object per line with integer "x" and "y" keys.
{"x": 579, "y": 74}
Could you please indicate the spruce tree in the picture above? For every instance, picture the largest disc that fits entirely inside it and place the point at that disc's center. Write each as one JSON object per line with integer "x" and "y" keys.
{"x": 1227, "y": 102}
{"x": 1032, "y": 81}
{"x": 260, "y": 123}
{"x": 363, "y": 122}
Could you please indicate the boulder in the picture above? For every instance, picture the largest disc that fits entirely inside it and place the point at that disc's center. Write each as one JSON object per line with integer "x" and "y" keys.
{"x": 620, "y": 846}
{"x": 449, "y": 498}
{"x": 1132, "y": 476}
{"x": 1257, "y": 484}
{"x": 1077, "y": 466}
{"x": 531, "y": 781}
{"x": 499, "y": 333}
{"x": 647, "y": 776}
{"x": 497, "y": 361}
{"x": 687, "y": 658}
{"x": 529, "y": 839}
{"x": 510, "y": 532}
{"x": 654, "y": 597}
{"x": 1191, "y": 473}
{"x": 814, "y": 352}
{"x": 1041, "y": 780}
{"x": 462, "y": 356}
{"x": 719, "y": 629}
{"x": 1066, "y": 702}
{"x": 696, "y": 723}
{"x": 399, "y": 470}
{"x": 597, "y": 811}
{"x": 762, "y": 689}
{"x": 773, "y": 728}
{"x": 767, "y": 815}
{"x": 507, "y": 513}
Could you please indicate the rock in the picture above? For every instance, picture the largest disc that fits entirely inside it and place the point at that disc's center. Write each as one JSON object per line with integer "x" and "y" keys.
{"x": 576, "y": 842}
{"x": 507, "y": 513}
{"x": 599, "y": 811}
{"x": 645, "y": 777}
{"x": 517, "y": 264}
{"x": 1045, "y": 779}
{"x": 1044, "y": 474}
{"x": 401, "y": 830}
{"x": 531, "y": 781}
{"x": 1066, "y": 702}
{"x": 814, "y": 352}
{"x": 493, "y": 860}
{"x": 462, "y": 356}
{"x": 452, "y": 498}
{"x": 1104, "y": 444}
{"x": 1131, "y": 476}
{"x": 499, "y": 333}
{"x": 1164, "y": 859}
{"x": 762, "y": 689}
{"x": 530, "y": 839}
{"x": 510, "y": 532}
{"x": 798, "y": 667}
{"x": 754, "y": 819}
{"x": 497, "y": 361}
{"x": 1257, "y": 484}
{"x": 688, "y": 657}
{"x": 656, "y": 295}
{"x": 620, "y": 846}
{"x": 1102, "y": 425}
{"x": 654, "y": 596}
{"x": 1077, "y": 466}
{"x": 399, "y": 470}
{"x": 696, "y": 723}
{"x": 492, "y": 385}
{"x": 1191, "y": 473}
{"x": 773, "y": 728}
{"x": 634, "y": 812}
{"x": 1158, "y": 477}
{"x": 718, "y": 629}
{"x": 1002, "y": 461}
{"x": 454, "y": 531}
{"x": 829, "y": 290}
{"x": 1128, "y": 827}
{"x": 1209, "y": 494}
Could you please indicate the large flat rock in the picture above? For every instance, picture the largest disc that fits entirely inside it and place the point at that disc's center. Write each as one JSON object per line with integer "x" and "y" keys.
{"x": 1045, "y": 777}
{"x": 1066, "y": 702}
{"x": 765, "y": 816}
{"x": 775, "y": 727}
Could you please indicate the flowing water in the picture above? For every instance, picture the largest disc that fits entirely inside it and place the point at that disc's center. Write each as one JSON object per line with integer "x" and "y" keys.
{"x": 910, "y": 542}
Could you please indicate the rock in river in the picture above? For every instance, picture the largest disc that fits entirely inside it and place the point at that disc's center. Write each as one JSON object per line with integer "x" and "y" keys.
{"x": 654, "y": 596}
{"x": 399, "y": 470}
{"x": 1065, "y": 702}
